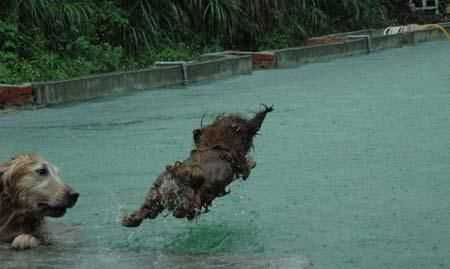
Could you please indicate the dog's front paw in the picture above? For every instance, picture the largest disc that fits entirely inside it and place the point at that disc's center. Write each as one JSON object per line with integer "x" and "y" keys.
{"x": 25, "y": 241}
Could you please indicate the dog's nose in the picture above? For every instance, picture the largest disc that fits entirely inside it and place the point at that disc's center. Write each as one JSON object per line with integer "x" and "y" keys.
{"x": 73, "y": 197}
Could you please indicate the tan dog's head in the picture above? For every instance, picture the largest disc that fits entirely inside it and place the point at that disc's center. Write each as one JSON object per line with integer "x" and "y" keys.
{"x": 32, "y": 183}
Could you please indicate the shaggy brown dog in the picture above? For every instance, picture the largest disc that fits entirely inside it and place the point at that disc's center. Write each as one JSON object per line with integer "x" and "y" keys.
{"x": 30, "y": 190}
{"x": 219, "y": 157}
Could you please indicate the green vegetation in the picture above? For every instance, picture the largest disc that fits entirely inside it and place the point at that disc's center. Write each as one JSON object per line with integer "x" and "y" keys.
{"x": 58, "y": 39}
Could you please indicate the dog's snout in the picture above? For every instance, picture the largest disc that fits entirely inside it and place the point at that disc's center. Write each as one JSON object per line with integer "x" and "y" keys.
{"x": 72, "y": 198}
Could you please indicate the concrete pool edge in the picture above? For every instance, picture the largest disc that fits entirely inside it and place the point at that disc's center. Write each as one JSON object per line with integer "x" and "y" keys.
{"x": 351, "y": 44}
{"x": 210, "y": 67}
{"x": 87, "y": 88}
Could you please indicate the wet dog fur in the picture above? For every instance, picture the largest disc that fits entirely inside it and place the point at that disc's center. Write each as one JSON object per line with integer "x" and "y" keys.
{"x": 219, "y": 157}
{"x": 30, "y": 191}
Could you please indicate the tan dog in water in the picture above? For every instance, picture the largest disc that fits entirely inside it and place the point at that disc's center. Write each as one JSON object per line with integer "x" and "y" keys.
{"x": 30, "y": 190}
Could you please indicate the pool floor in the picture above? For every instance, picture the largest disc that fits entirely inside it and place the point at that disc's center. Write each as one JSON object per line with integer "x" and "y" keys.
{"x": 353, "y": 169}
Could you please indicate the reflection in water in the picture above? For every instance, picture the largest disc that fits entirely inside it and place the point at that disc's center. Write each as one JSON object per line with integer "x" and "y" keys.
{"x": 231, "y": 262}
{"x": 203, "y": 247}
{"x": 216, "y": 238}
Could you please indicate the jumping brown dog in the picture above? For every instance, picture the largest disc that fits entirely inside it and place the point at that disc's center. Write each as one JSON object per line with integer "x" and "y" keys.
{"x": 189, "y": 187}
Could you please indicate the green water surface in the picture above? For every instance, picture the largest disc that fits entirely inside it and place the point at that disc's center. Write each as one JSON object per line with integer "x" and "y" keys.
{"x": 353, "y": 169}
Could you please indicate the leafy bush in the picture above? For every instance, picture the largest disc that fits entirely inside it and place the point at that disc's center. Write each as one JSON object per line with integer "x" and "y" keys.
{"x": 59, "y": 39}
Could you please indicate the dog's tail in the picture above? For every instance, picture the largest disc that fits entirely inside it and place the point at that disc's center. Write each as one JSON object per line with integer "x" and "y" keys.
{"x": 256, "y": 122}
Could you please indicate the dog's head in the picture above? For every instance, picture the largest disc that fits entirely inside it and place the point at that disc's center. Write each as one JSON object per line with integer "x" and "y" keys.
{"x": 31, "y": 182}
{"x": 231, "y": 131}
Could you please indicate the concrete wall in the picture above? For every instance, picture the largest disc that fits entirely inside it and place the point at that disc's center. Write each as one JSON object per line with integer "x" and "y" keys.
{"x": 260, "y": 59}
{"x": 219, "y": 68}
{"x": 396, "y": 41}
{"x": 392, "y": 41}
{"x": 301, "y": 55}
{"x": 295, "y": 56}
{"x": 56, "y": 92}
{"x": 429, "y": 35}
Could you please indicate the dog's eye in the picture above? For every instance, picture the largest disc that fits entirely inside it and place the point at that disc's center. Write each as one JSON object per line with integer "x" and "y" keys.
{"x": 42, "y": 171}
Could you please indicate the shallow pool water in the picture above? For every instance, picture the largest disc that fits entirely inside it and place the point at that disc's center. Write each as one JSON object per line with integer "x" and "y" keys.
{"x": 353, "y": 169}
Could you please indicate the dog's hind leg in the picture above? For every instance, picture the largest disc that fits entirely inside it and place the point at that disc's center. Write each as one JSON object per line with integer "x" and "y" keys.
{"x": 151, "y": 208}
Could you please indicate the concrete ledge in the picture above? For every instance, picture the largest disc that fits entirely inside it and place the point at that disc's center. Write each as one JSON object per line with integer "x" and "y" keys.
{"x": 301, "y": 55}
{"x": 219, "y": 68}
{"x": 392, "y": 41}
{"x": 260, "y": 59}
{"x": 340, "y": 45}
{"x": 429, "y": 35}
{"x": 410, "y": 38}
{"x": 86, "y": 88}
{"x": 56, "y": 92}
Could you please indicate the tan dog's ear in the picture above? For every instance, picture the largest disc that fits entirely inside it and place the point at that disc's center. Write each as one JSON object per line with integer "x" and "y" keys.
{"x": 2, "y": 169}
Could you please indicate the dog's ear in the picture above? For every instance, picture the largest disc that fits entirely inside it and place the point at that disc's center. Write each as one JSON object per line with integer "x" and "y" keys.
{"x": 196, "y": 135}
{"x": 2, "y": 170}
{"x": 4, "y": 166}
{"x": 2, "y": 180}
